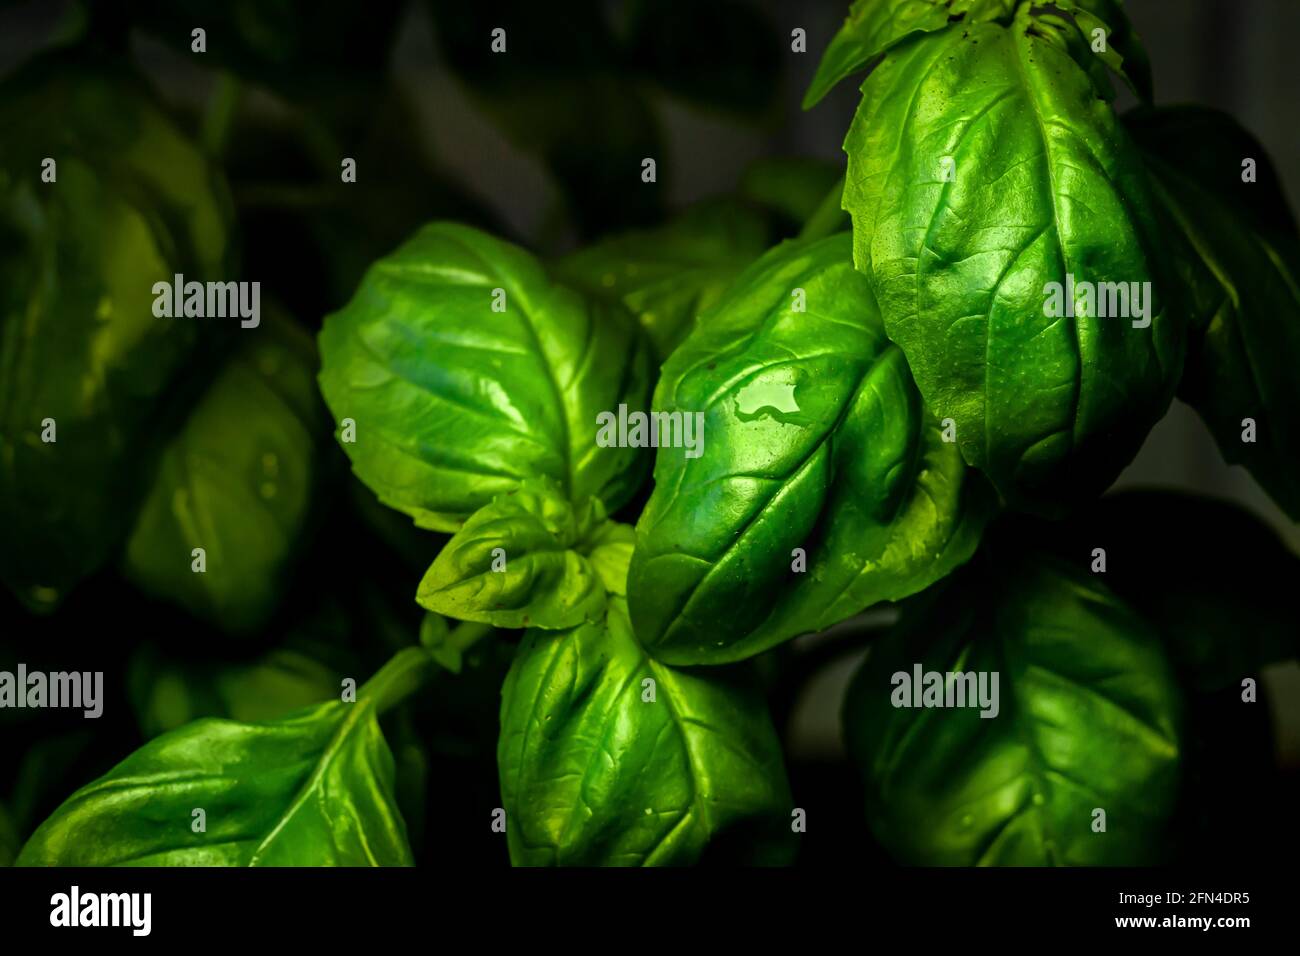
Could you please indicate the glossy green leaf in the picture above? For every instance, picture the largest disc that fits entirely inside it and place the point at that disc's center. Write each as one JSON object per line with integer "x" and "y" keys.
{"x": 312, "y": 789}
{"x": 610, "y": 758}
{"x": 985, "y": 165}
{"x": 455, "y": 403}
{"x": 1243, "y": 288}
{"x": 814, "y": 438}
{"x": 133, "y": 203}
{"x": 668, "y": 275}
{"x": 1088, "y": 717}
{"x": 874, "y": 27}
{"x": 612, "y": 545}
{"x": 521, "y": 561}
{"x": 235, "y": 481}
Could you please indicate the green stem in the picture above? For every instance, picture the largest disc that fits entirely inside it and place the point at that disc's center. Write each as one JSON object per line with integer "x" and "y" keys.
{"x": 220, "y": 115}
{"x": 828, "y": 218}
{"x": 468, "y": 633}
{"x": 408, "y": 671}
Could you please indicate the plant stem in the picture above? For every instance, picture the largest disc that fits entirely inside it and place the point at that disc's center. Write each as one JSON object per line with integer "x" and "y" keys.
{"x": 220, "y": 114}
{"x": 468, "y": 633}
{"x": 407, "y": 671}
{"x": 828, "y": 218}
{"x": 410, "y": 669}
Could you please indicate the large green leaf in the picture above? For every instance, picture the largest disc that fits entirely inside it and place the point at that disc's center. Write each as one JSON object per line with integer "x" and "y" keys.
{"x": 455, "y": 403}
{"x": 1243, "y": 288}
{"x": 874, "y": 27}
{"x": 814, "y": 438}
{"x": 235, "y": 481}
{"x": 133, "y": 203}
{"x": 528, "y": 559}
{"x": 1087, "y": 717}
{"x": 668, "y": 275}
{"x": 985, "y": 164}
{"x": 610, "y": 758}
{"x": 311, "y": 789}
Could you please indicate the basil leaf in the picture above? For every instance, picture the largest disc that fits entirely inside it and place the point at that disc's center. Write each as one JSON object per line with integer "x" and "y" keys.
{"x": 874, "y": 27}
{"x": 85, "y": 363}
{"x": 520, "y": 561}
{"x": 1123, "y": 50}
{"x": 612, "y": 546}
{"x": 596, "y": 770}
{"x": 669, "y": 275}
{"x": 814, "y": 438}
{"x": 455, "y": 403}
{"x": 236, "y": 482}
{"x": 312, "y": 789}
{"x": 1218, "y": 619}
{"x": 1244, "y": 290}
{"x": 1050, "y": 407}
{"x": 1087, "y": 717}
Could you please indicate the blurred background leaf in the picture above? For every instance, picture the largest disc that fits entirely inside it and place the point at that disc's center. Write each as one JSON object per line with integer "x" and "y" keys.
{"x": 237, "y": 482}
{"x": 792, "y": 186}
{"x": 133, "y": 202}
{"x": 715, "y": 55}
{"x": 170, "y": 691}
{"x": 579, "y": 110}
{"x": 1195, "y": 567}
{"x": 327, "y": 56}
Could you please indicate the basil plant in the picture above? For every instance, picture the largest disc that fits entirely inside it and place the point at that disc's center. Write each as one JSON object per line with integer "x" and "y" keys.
{"x": 649, "y": 468}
